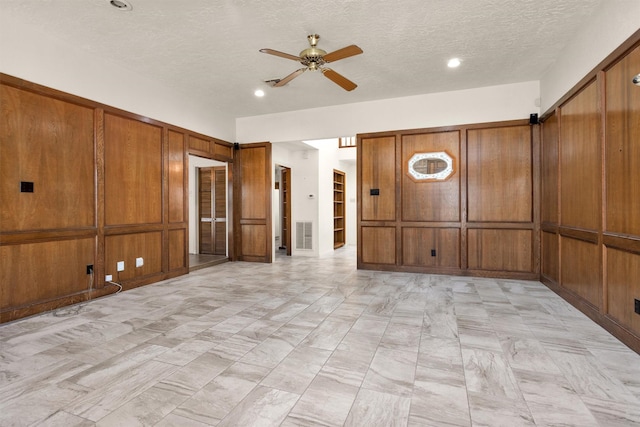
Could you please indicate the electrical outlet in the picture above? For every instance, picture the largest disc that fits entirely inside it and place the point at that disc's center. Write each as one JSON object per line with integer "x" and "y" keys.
{"x": 89, "y": 268}
{"x": 139, "y": 262}
{"x": 120, "y": 266}
{"x": 637, "y": 306}
{"x": 108, "y": 278}
{"x": 433, "y": 252}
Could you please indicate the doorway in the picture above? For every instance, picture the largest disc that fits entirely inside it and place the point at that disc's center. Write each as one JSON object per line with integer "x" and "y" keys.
{"x": 282, "y": 210}
{"x": 208, "y": 212}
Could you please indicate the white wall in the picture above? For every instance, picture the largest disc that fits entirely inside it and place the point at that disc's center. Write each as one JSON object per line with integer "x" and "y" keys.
{"x": 488, "y": 104}
{"x": 610, "y": 25}
{"x": 196, "y": 162}
{"x": 29, "y": 54}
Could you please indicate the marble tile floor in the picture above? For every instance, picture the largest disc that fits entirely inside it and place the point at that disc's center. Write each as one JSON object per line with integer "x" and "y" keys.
{"x": 315, "y": 342}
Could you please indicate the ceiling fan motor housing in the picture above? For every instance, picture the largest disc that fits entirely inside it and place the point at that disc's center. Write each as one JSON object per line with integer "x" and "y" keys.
{"x": 312, "y": 57}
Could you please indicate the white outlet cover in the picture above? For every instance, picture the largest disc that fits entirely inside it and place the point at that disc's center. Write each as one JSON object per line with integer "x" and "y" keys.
{"x": 108, "y": 278}
{"x": 120, "y": 266}
{"x": 139, "y": 262}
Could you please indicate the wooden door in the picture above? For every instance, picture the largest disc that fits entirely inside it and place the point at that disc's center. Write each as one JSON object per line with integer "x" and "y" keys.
{"x": 212, "y": 209}
{"x": 286, "y": 209}
{"x": 252, "y": 185}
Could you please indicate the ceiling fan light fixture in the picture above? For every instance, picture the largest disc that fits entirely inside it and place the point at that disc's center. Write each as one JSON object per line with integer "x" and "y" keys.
{"x": 121, "y": 4}
{"x": 453, "y": 63}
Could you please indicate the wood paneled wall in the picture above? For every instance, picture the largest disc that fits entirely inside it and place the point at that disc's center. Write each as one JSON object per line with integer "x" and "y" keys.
{"x": 108, "y": 186}
{"x": 482, "y": 220}
{"x": 591, "y": 195}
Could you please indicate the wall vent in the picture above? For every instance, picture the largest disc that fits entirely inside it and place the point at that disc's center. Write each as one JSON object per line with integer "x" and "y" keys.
{"x": 304, "y": 235}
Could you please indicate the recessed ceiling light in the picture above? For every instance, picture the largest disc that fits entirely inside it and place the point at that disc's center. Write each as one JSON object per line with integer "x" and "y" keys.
{"x": 259, "y": 93}
{"x": 120, "y": 4}
{"x": 453, "y": 63}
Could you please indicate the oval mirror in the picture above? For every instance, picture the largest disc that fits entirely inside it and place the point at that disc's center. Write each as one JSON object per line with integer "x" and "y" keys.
{"x": 430, "y": 166}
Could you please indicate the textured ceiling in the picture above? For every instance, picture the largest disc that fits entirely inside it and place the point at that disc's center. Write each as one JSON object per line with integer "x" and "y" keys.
{"x": 209, "y": 49}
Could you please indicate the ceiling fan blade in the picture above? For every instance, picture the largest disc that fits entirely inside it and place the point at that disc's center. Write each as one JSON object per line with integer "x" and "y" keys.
{"x": 339, "y": 79}
{"x": 280, "y": 54}
{"x": 290, "y": 77}
{"x": 345, "y": 52}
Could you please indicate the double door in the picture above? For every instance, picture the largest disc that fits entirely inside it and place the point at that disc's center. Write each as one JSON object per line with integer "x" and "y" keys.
{"x": 212, "y": 199}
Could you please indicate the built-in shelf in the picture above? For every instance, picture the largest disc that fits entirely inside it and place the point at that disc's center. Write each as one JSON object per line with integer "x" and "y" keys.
{"x": 338, "y": 209}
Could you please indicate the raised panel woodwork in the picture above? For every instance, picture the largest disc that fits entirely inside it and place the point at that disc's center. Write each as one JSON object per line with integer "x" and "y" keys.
{"x": 128, "y": 247}
{"x": 378, "y": 245}
{"x": 252, "y": 195}
{"x": 550, "y": 253}
{"x": 623, "y": 146}
{"x": 418, "y": 244}
{"x": 36, "y": 272}
{"x": 580, "y": 269}
{"x": 49, "y": 143}
{"x": 199, "y": 144}
{"x": 177, "y": 249}
{"x": 253, "y": 240}
{"x": 550, "y": 170}
{"x": 500, "y": 250}
{"x": 254, "y": 182}
{"x": 623, "y": 287}
{"x": 378, "y": 172}
{"x": 133, "y": 171}
{"x": 223, "y": 150}
{"x": 580, "y": 167}
{"x": 500, "y": 174}
{"x": 431, "y": 200}
{"x": 177, "y": 182}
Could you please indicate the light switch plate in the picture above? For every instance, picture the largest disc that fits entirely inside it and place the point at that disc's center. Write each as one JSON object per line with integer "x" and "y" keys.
{"x": 139, "y": 262}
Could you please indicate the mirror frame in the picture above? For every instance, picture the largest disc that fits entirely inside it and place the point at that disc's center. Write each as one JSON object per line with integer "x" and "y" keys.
{"x": 436, "y": 155}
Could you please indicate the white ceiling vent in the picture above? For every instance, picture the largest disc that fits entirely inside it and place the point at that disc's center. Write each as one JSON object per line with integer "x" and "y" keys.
{"x": 304, "y": 235}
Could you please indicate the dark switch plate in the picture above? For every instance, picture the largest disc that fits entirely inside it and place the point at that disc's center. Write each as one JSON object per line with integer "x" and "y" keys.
{"x": 433, "y": 252}
{"x": 26, "y": 187}
{"x": 374, "y": 192}
{"x": 637, "y": 306}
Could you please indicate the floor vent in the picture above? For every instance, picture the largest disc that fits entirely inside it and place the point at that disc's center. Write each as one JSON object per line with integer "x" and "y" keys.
{"x": 304, "y": 235}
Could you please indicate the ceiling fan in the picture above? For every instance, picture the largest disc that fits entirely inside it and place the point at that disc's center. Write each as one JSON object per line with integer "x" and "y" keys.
{"x": 314, "y": 59}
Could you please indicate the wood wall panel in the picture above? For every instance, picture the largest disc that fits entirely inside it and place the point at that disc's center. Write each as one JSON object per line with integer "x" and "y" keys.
{"x": 254, "y": 181}
{"x": 417, "y": 244}
{"x": 580, "y": 161}
{"x": 199, "y": 144}
{"x": 623, "y": 287}
{"x": 128, "y": 247}
{"x": 36, "y": 272}
{"x": 378, "y": 245}
{"x": 378, "y": 171}
{"x": 50, "y": 143}
{"x": 581, "y": 269}
{"x": 177, "y": 249}
{"x": 623, "y": 146}
{"x": 254, "y": 237}
{"x": 550, "y": 158}
{"x": 133, "y": 171}
{"x": 431, "y": 200}
{"x": 252, "y": 196}
{"x": 550, "y": 256}
{"x": 500, "y": 250}
{"x": 500, "y": 174}
{"x": 176, "y": 172}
